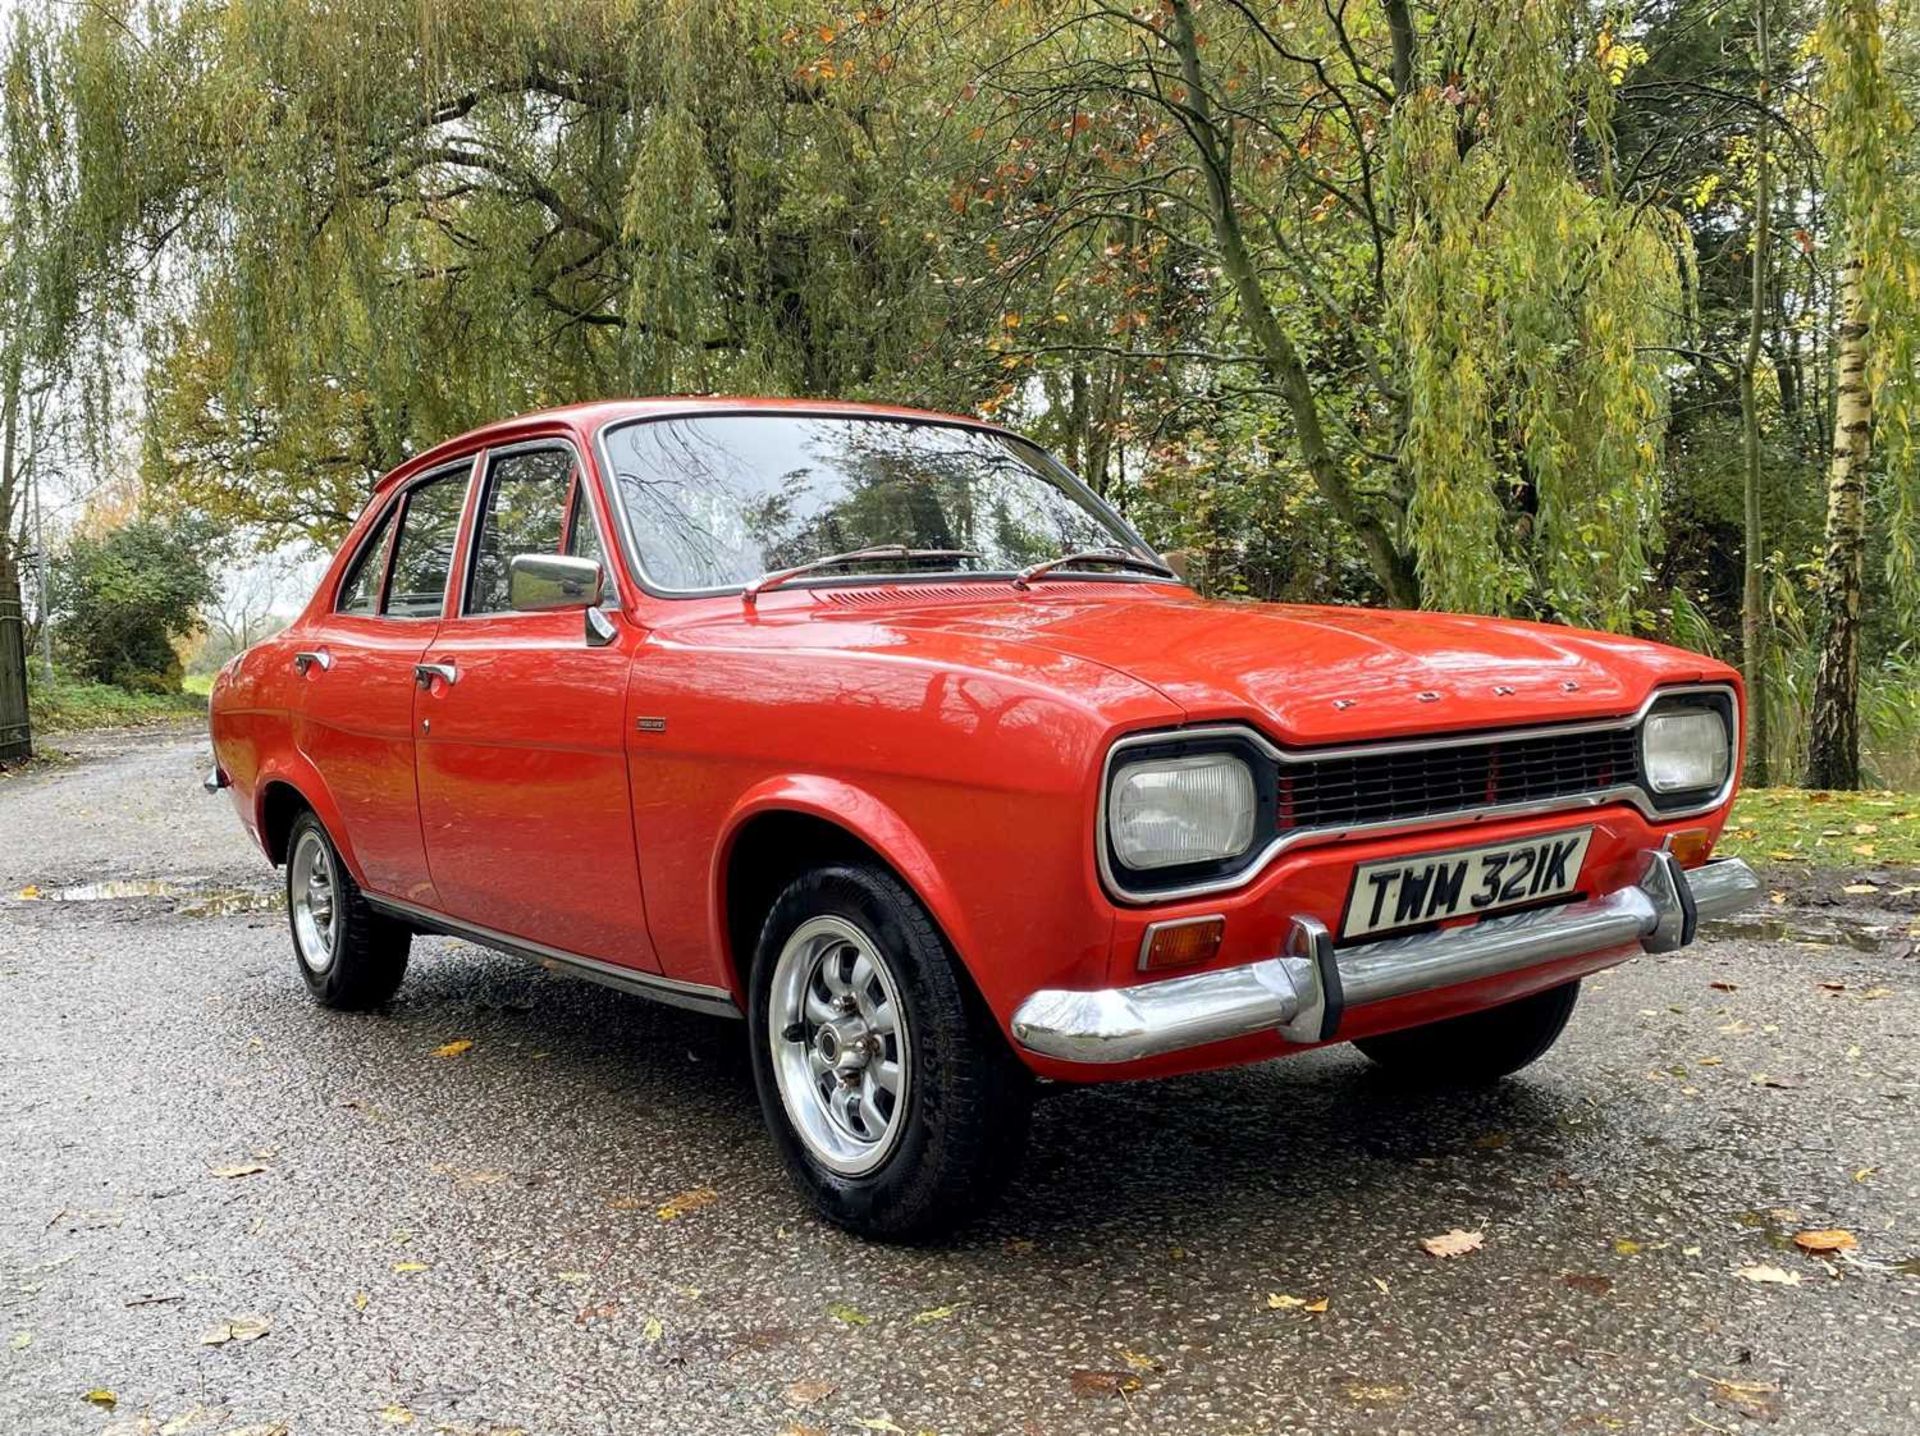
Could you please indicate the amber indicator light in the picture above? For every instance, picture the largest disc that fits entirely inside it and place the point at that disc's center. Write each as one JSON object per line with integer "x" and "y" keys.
{"x": 1182, "y": 944}
{"x": 1691, "y": 847}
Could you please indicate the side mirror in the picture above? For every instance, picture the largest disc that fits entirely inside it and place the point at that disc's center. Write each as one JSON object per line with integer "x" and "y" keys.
{"x": 544, "y": 582}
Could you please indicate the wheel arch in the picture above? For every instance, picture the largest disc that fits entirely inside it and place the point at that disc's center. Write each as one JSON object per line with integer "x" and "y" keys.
{"x": 281, "y": 794}
{"x": 789, "y": 825}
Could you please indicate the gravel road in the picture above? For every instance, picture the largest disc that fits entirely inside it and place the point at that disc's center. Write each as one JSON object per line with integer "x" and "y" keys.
{"x": 575, "y": 1225}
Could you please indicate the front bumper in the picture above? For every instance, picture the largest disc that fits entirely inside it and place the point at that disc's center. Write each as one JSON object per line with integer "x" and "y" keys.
{"x": 1303, "y": 993}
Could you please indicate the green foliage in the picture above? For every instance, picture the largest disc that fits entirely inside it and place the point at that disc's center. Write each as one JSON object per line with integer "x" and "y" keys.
{"x": 121, "y": 598}
{"x": 1871, "y": 147}
{"x": 1425, "y": 301}
{"x": 69, "y": 705}
{"x": 1534, "y": 308}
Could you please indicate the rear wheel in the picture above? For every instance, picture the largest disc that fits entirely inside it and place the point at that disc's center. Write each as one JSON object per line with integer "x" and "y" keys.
{"x": 886, "y": 1084}
{"x": 350, "y": 956}
{"x": 1480, "y": 1047}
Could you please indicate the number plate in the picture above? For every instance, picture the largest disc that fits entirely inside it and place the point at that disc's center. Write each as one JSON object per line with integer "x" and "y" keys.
{"x": 1406, "y": 892}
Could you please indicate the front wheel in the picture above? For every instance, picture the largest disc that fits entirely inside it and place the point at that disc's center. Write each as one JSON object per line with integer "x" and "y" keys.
{"x": 886, "y": 1084}
{"x": 1479, "y": 1047}
{"x": 350, "y": 956}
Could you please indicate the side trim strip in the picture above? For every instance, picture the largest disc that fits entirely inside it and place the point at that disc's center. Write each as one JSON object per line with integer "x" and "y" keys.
{"x": 694, "y": 996}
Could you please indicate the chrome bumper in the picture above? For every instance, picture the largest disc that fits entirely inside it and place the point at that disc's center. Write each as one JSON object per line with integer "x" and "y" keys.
{"x": 1302, "y": 993}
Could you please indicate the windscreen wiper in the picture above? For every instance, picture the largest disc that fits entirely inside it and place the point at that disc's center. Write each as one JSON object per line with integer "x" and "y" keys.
{"x": 1027, "y": 576}
{"x": 836, "y": 560}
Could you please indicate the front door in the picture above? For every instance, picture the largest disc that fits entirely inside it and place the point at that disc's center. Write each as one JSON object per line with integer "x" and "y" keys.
{"x": 356, "y": 666}
{"x": 521, "y": 759}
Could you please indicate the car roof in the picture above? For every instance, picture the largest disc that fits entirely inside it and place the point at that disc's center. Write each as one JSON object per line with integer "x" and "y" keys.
{"x": 593, "y": 415}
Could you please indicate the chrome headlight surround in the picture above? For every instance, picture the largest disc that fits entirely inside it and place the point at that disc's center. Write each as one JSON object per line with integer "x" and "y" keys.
{"x": 1219, "y": 787}
{"x": 1689, "y": 743}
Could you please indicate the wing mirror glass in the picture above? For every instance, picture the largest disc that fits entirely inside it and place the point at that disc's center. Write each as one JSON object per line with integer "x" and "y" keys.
{"x": 544, "y": 582}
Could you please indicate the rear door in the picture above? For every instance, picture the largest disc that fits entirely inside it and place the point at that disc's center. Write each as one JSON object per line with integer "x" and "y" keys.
{"x": 356, "y": 665}
{"x": 522, "y": 758}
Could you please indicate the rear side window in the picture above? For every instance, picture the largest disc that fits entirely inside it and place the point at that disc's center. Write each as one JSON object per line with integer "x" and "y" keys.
{"x": 423, "y": 549}
{"x": 526, "y": 512}
{"x": 360, "y": 589}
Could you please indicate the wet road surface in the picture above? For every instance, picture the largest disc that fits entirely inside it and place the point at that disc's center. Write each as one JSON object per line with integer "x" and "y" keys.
{"x": 575, "y": 1224}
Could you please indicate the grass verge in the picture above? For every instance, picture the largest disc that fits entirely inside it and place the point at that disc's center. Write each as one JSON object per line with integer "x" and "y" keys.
{"x": 67, "y": 706}
{"x": 1799, "y": 825}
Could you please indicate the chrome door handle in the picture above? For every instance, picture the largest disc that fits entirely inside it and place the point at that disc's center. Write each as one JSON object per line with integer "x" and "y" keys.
{"x": 308, "y": 658}
{"x": 425, "y": 673}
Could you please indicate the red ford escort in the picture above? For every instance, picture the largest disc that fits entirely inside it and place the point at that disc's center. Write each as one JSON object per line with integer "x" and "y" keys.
{"x": 880, "y": 730}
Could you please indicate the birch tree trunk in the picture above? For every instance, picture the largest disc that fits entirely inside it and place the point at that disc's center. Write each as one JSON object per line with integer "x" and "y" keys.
{"x": 1833, "y": 757}
{"x": 1753, "y": 598}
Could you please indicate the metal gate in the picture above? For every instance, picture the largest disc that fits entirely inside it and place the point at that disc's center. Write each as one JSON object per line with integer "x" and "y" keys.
{"x": 16, "y": 742}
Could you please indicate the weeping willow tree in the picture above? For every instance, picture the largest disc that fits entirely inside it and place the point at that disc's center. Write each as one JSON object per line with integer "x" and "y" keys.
{"x": 364, "y": 225}
{"x": 1404, "y": 228}
{"x": 1537, "y": 312}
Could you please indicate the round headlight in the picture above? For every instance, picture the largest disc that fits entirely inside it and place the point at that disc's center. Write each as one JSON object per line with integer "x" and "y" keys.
{"x": 1168, "y": 811}
{"x": 1685, "y": 750}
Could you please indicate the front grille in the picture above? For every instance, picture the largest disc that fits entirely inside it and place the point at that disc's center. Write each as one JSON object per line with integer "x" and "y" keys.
{"x": 1419, "y": 783}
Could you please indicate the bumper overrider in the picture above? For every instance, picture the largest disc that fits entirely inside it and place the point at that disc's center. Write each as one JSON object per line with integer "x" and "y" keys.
{"x": 1303, "y": 993}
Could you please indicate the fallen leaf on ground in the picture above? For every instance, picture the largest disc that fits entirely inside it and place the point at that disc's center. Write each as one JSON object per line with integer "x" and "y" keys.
{"x": 1772, "y": 1275}
{"x": 687, "y": 1201}
{"x": 606, "y": 1311}
{"x": 808, "y": 1393}
{"x": 1860, "y": 889}
{"x": 1318, "y": 1306}
{"x": 1103, "y": 1383}
{"x": 408, "y": 1268}
{"x": 237, "y": 1328}
{"x": 239, "y": 1169}
{"x": 1758, "y": 1400}
{"x": 840, "y": 1311}
{"x": 1724, "y": 986}
{"x": 1139, "y": 1360}
{"x": 1370, "y": 1395}
{"x": 1626, "y": 1246}
{"x": 360, "y": 1301}
{"x": 453, "y": 1048}
{"x": 571, "y": 1278}
{"x": 1283, "y": 1303}
{"x": 30, "y": 892}
{"x": 934, "y": 1313}
{"x": 1588, "y": 1282}
{"x": 102, "y": 1397}
{"x": 1454, "y": 1243}
{"x": 1827, "y": 1239}
{"x": 21, "y": 1340}
{"x": 394, "y": 1414}
{"x": 652, "y": 1331}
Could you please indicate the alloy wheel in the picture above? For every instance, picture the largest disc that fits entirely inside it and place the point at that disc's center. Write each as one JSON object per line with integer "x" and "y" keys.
{"x": 842, "y": 1059}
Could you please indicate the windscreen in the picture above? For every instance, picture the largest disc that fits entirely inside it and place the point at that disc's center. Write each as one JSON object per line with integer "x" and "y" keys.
{"x": 717, "y": 500}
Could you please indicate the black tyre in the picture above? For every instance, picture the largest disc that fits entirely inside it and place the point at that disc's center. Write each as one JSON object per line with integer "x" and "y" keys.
{"x": 885, "y": 1082}
{"x": 351, "y": 956}
{"x": 1480, "y": 1047}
